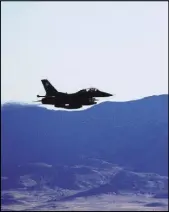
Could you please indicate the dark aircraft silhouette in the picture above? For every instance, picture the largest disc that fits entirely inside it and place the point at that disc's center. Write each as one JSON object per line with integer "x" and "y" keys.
{"x": 72, "y": 100}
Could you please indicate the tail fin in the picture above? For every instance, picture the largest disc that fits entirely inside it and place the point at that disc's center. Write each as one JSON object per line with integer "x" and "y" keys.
{"x": 50, "y": 90}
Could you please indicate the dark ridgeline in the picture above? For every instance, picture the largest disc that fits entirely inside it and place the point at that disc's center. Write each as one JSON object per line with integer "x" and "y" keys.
{"x": 133, "y": 134}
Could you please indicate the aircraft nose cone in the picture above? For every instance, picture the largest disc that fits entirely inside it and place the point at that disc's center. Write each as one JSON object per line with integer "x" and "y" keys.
{"x": 107, "y": 94}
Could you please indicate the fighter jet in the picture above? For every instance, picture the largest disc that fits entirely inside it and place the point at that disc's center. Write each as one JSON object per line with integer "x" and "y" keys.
{"x": 72, "y": 100}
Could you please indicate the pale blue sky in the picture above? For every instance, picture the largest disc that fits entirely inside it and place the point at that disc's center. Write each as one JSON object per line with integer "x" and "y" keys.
{"x": 118, "y": 47}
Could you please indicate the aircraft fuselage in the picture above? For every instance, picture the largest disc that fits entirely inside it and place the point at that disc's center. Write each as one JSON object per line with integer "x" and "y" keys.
{"x": 71, "y": 100}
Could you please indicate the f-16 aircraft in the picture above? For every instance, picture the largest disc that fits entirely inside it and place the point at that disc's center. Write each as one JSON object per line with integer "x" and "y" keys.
{"x": 72, "y": 100}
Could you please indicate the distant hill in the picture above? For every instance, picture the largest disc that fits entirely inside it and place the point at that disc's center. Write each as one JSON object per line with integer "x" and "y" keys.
{"x": 131, "y": 134}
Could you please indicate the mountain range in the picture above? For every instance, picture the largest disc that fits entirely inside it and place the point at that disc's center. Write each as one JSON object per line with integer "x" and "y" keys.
{"x": 113, "y": 147}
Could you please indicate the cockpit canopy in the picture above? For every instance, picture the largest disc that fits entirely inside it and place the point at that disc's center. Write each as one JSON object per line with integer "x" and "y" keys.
{"x": 89, "y": 90}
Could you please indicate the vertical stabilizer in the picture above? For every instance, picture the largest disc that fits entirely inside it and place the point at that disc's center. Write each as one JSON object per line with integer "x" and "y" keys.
{"x": 50, "y": 90}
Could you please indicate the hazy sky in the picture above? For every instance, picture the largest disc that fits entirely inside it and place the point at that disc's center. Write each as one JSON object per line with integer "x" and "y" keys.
{"x": 118, "y": 47}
